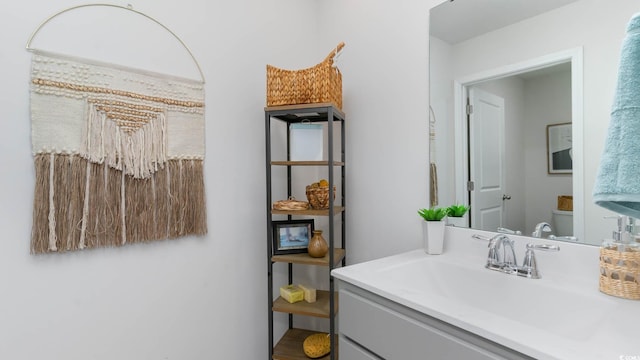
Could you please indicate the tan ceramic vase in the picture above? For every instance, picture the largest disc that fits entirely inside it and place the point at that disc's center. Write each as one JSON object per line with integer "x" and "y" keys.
{"x": 317, "y": 245}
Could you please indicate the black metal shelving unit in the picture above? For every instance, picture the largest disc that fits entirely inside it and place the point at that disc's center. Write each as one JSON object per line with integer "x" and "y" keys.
{"x": 289, "y": 347}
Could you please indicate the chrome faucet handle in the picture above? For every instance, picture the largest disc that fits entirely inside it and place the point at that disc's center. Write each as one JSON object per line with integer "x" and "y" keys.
{"x": 508, "y": 231}
{"x": 566, "y": 238}
{"x": 480, "y": 237}
{"x": 545, "y": 247}
{"x": 529, "y": 266}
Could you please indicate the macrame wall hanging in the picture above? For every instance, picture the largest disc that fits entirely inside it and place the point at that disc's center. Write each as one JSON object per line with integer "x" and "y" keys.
{"x": 118, "y": 153}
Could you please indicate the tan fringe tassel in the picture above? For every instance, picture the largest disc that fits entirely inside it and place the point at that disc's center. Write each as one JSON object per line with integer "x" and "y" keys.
{"x": 76, "y": 183}
{"x": 40, "y": 226}
{"x": 52, "y": 204}
{"x": 162, "y": 201}
{"x": 113, "y": 215}
{"x": 139, "y": 210}
{"x": 103, "y": 221}
{"x": 171, "y": 204}
{"x": 176, "y": 199}
{"x": 62, "y": 198}
{"x": 85, "y": 207}
{"x": 123, "y": 208}
{"x": 196, "y": 214}
{"x": 94, "y": 217}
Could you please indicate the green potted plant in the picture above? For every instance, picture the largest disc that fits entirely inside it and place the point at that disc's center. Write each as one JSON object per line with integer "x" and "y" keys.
{"x": 455, "y": 215}
{"x": 433, "y": 229}
{"x": 433, "y": 214}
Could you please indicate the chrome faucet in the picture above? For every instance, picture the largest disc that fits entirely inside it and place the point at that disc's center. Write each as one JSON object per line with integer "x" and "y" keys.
{"x": 502, "y": 256}
{"x": 543, "y": 226}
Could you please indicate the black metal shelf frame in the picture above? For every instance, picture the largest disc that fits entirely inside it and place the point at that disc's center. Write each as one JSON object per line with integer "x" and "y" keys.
{"x": 322, "y": 113}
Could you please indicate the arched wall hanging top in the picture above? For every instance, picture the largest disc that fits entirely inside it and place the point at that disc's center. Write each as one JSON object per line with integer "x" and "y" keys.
{"x": 129, "y": 8}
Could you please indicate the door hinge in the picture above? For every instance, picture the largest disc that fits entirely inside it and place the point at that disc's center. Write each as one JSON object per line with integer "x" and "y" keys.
{"x": 470, "y": 185}
{"x": 469, "y": 109}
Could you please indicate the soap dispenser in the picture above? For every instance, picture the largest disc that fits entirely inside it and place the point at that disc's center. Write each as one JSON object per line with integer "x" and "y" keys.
{"x": 617, "y": 236}
{"x": 619, "y": 259}
{"x": 631, "y": 233}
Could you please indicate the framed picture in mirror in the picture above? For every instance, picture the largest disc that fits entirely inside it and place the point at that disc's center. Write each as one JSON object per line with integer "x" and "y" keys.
{"x": 559, "y": 149}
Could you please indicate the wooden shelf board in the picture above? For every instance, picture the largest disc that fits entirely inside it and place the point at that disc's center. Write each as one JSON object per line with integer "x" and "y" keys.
{"x": 320, "y": 308}
{"x": 290, "y": 346}
{"x": 325, "y": 212}
{"x": 304, "y": 258}
{"x": 306, "y": 163}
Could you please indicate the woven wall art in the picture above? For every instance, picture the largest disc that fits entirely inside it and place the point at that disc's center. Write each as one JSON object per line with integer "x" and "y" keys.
{"x": 118, "y": 155}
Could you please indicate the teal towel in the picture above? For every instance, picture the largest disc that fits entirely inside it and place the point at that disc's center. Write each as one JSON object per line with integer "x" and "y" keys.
{"x": 617, "y": 185}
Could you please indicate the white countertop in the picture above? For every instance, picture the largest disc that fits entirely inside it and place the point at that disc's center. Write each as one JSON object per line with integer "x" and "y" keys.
{"x": 563, "y": 315}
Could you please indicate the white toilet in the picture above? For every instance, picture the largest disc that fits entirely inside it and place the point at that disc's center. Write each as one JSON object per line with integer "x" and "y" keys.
{"x": 562, "y": 222}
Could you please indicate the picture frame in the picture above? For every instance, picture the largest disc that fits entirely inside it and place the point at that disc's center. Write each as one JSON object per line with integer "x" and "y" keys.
{"x": 559, "y": 149}
{"x": 291, "y": 236}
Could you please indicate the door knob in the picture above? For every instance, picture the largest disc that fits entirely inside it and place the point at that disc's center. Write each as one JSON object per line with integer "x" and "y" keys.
{"x": 506, "y": 197}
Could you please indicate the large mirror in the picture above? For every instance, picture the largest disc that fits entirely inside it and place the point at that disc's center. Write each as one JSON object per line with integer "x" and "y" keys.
{"x": 520, "y": 93}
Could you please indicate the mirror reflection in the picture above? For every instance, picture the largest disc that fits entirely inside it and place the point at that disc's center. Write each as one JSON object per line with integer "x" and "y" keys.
{"x": 522, "y": 69}
{"x": 507, "y": 156}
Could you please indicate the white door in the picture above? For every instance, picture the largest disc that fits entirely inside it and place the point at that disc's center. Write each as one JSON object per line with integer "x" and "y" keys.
{"x": 487, "y": 159}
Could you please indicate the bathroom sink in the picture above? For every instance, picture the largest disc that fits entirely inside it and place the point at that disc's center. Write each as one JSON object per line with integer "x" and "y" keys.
{"x": 470, "y": 288}
{"x": 559, "y": 316}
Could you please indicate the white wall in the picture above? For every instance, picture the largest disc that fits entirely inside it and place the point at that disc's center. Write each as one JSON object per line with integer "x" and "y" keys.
{"x": 199, "y": 298}
{"x": 548, "y": 102}
{"x": 385, "y": 70}
{"x": 192, "y": 298}
{"x": 601, "y": 38}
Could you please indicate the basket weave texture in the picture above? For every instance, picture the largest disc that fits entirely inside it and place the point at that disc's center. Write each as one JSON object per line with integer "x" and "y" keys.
{"x": 290, "y": 204}
{"x": 319, "y": 196}
{"x": 620, "y": 273}
{"x": 321, "y": 83}
{"x": 565, "y": 202}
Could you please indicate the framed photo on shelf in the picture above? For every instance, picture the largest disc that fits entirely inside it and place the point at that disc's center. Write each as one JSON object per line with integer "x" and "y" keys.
{"x": 291, "y": 236}
{"x": 559, "y": 149}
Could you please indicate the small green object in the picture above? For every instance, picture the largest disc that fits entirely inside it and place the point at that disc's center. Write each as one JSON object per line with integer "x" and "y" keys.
{"x": 457, "y": 210}
{"x": 433, "y": 214}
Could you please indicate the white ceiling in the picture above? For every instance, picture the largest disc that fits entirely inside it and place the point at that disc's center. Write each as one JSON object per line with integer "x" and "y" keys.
{"x": 457, "y": 20}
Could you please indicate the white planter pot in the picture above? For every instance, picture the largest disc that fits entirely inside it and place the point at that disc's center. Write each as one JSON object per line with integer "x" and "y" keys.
{"x": 433, "y": 234}
{"x": 457, "y": 221}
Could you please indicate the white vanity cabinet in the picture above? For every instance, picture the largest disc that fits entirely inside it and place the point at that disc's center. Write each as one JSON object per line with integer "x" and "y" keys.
{"x": 373, "y": 327}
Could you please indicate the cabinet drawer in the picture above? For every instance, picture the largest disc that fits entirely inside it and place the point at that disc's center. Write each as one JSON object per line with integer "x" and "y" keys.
{"x": 351, "y": 351}
{"x": 393, "y": 334}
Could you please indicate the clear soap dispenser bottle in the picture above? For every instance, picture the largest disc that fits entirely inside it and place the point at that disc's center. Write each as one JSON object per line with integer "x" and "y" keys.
{"x": 616, "y": 241}
{"x": 631, "y": 231}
